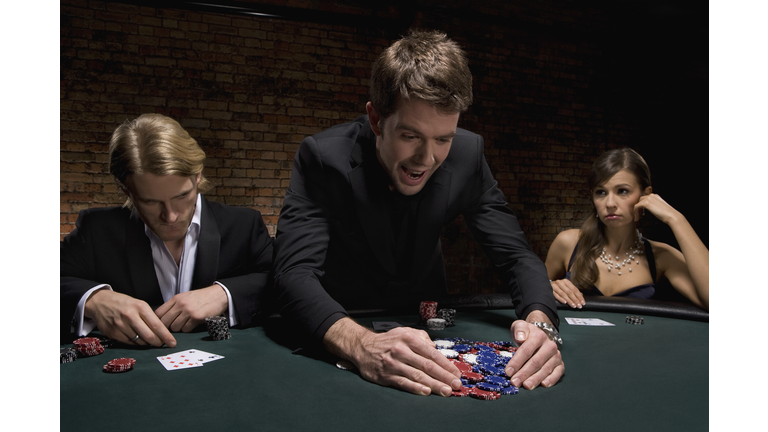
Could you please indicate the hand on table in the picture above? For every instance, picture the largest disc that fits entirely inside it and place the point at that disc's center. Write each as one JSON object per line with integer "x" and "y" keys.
{"x": 566, "y": 292}
{"x": 537, "y": 360}
{"x": 403, "y": 358}
{"x": 185, "y": 311}
{"x": 121, "y": 317}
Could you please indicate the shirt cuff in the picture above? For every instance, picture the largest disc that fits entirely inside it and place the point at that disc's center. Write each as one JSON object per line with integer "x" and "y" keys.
{"x": 81, "y": 325}
{"x": 552, "y": 315}
{"x": 230, "y": 305}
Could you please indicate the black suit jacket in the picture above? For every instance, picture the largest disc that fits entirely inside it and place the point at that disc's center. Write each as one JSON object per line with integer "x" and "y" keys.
{"x": 109, "y": 246}
{"x": 334, "y": 242}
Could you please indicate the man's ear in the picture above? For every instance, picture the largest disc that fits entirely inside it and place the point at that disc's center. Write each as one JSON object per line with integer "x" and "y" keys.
{"x": 373, "y": 118}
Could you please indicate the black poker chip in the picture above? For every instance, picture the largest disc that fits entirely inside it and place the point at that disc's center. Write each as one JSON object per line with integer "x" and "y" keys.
{"x": 67, "y": 355}
{"x": 106, "y": 342}
{"x": 218, "y": 327}
{"x": 636, "y": 320}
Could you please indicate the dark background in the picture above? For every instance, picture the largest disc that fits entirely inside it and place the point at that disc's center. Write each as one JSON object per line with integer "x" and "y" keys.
{"x": 556, "y": 83}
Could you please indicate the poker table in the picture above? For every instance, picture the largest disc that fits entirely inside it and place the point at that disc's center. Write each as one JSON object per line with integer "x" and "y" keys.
{"x": 624, "y": 377}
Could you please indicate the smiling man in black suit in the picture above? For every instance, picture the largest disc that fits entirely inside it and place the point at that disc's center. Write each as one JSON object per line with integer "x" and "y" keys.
{"x": 362, "y": 217}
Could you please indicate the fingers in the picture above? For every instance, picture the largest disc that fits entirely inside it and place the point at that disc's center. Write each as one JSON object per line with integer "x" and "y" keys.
{"x": 148, "y": 327}
{"x": 537, "y": 360}
{"x": 122, "y": 318}
{"x": 566, "y": 292}
{"x": 185, "y": 311}
{"x": 407, "y": 359}
{"x": 656, "y": 205}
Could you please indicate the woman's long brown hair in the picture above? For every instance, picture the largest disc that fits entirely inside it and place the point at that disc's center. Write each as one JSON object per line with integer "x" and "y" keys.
{"x": 584, "y": 272}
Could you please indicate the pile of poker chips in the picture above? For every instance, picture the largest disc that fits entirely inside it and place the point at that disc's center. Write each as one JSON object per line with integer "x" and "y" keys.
{"x": 634, "y": 320}
{"x": 68, "y": 355}
{"x": 427, "y": 311}
{"x": 481, "y": 365}
{"x": 119, "y": 365}
{"x": 88, "y": 346}
{"x": 449, "y": 315}
{"x": 218, "y": 327}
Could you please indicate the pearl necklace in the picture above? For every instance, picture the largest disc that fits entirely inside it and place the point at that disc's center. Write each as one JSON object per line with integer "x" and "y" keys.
{"x": 637, "y": 250}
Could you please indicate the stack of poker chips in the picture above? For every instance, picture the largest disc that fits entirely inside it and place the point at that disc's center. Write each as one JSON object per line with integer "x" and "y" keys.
{"x": 119, "y": 365}
{"x": 449, "y": 315}
{"x": 634, "y": 320}
{"x": 68, "y": 355}
{"x": 88, "y": 346}
{"x": 218, "y": 327}
{"x": 427, "y": 311}
{"x": 482, "y": 366}
{"x": 436, "y": 324}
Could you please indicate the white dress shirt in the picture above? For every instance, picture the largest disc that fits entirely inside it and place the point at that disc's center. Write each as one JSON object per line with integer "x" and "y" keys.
{"x": 173, "y": 279}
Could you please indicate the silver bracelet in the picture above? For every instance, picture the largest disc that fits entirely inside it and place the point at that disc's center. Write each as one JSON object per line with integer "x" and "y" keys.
{"x": 550, "y": 331}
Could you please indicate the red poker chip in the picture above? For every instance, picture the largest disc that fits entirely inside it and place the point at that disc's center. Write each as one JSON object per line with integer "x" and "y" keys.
{"x": 462, "y": 392}
{"x": 472, "y": 377}
{"x": 463, "y": 367}
{"x": 87, "y": 341}
{"x": 119, "y": 365}
{"x": 108, "y": 368}
{"x": 122, "y": 362}
{"x": 483, "y": 395}
{"x": 88, "y": 352}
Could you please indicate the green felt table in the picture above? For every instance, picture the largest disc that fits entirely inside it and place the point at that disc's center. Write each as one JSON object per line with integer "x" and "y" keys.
{"x": 618, "y": 378}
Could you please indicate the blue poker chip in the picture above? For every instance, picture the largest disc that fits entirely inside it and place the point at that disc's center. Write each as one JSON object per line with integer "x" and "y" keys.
{"x": 491, "y": 370}
{"x": 503, "y": 343}
{"x": 462, "y": 348}
{"x": 489, "y": 359}
{"x": 510, "y": 390}
{"x": 497, "y": 380}
{"x": 480, "y": 347}
{"x": 484, "y": 385}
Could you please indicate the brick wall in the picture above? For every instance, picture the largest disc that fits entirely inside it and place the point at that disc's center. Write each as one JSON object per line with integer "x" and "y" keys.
{"x": 556, "y": 84}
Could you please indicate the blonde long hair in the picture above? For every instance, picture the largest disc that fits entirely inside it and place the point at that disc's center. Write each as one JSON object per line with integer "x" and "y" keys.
{"x": 154, "y": 143}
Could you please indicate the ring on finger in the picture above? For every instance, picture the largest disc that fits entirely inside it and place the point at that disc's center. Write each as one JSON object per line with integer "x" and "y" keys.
{"x": 135, "y": 338}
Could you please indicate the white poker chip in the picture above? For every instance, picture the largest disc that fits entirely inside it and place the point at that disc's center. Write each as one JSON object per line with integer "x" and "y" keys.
{"x": 444, "y": 344}
{"x": 436, "y": 324}
{"x": 470, "y": 359}
{"x": 506, "y": 354}
{"x": 451, "y": 354}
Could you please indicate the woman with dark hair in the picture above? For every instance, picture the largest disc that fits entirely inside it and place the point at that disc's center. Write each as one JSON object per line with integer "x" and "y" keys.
{"x": 609, "y": 257}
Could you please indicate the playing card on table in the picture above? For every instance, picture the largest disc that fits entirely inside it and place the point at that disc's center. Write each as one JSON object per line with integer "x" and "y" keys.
{"x": 187, "y": 359}
{"x": 588, "y": 322}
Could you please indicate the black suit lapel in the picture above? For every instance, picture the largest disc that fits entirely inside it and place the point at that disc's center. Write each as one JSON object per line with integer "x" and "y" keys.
{"x": 365, "y": 179}
{"x": 207, "y": 261}
{"x": 140, "y": 264}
